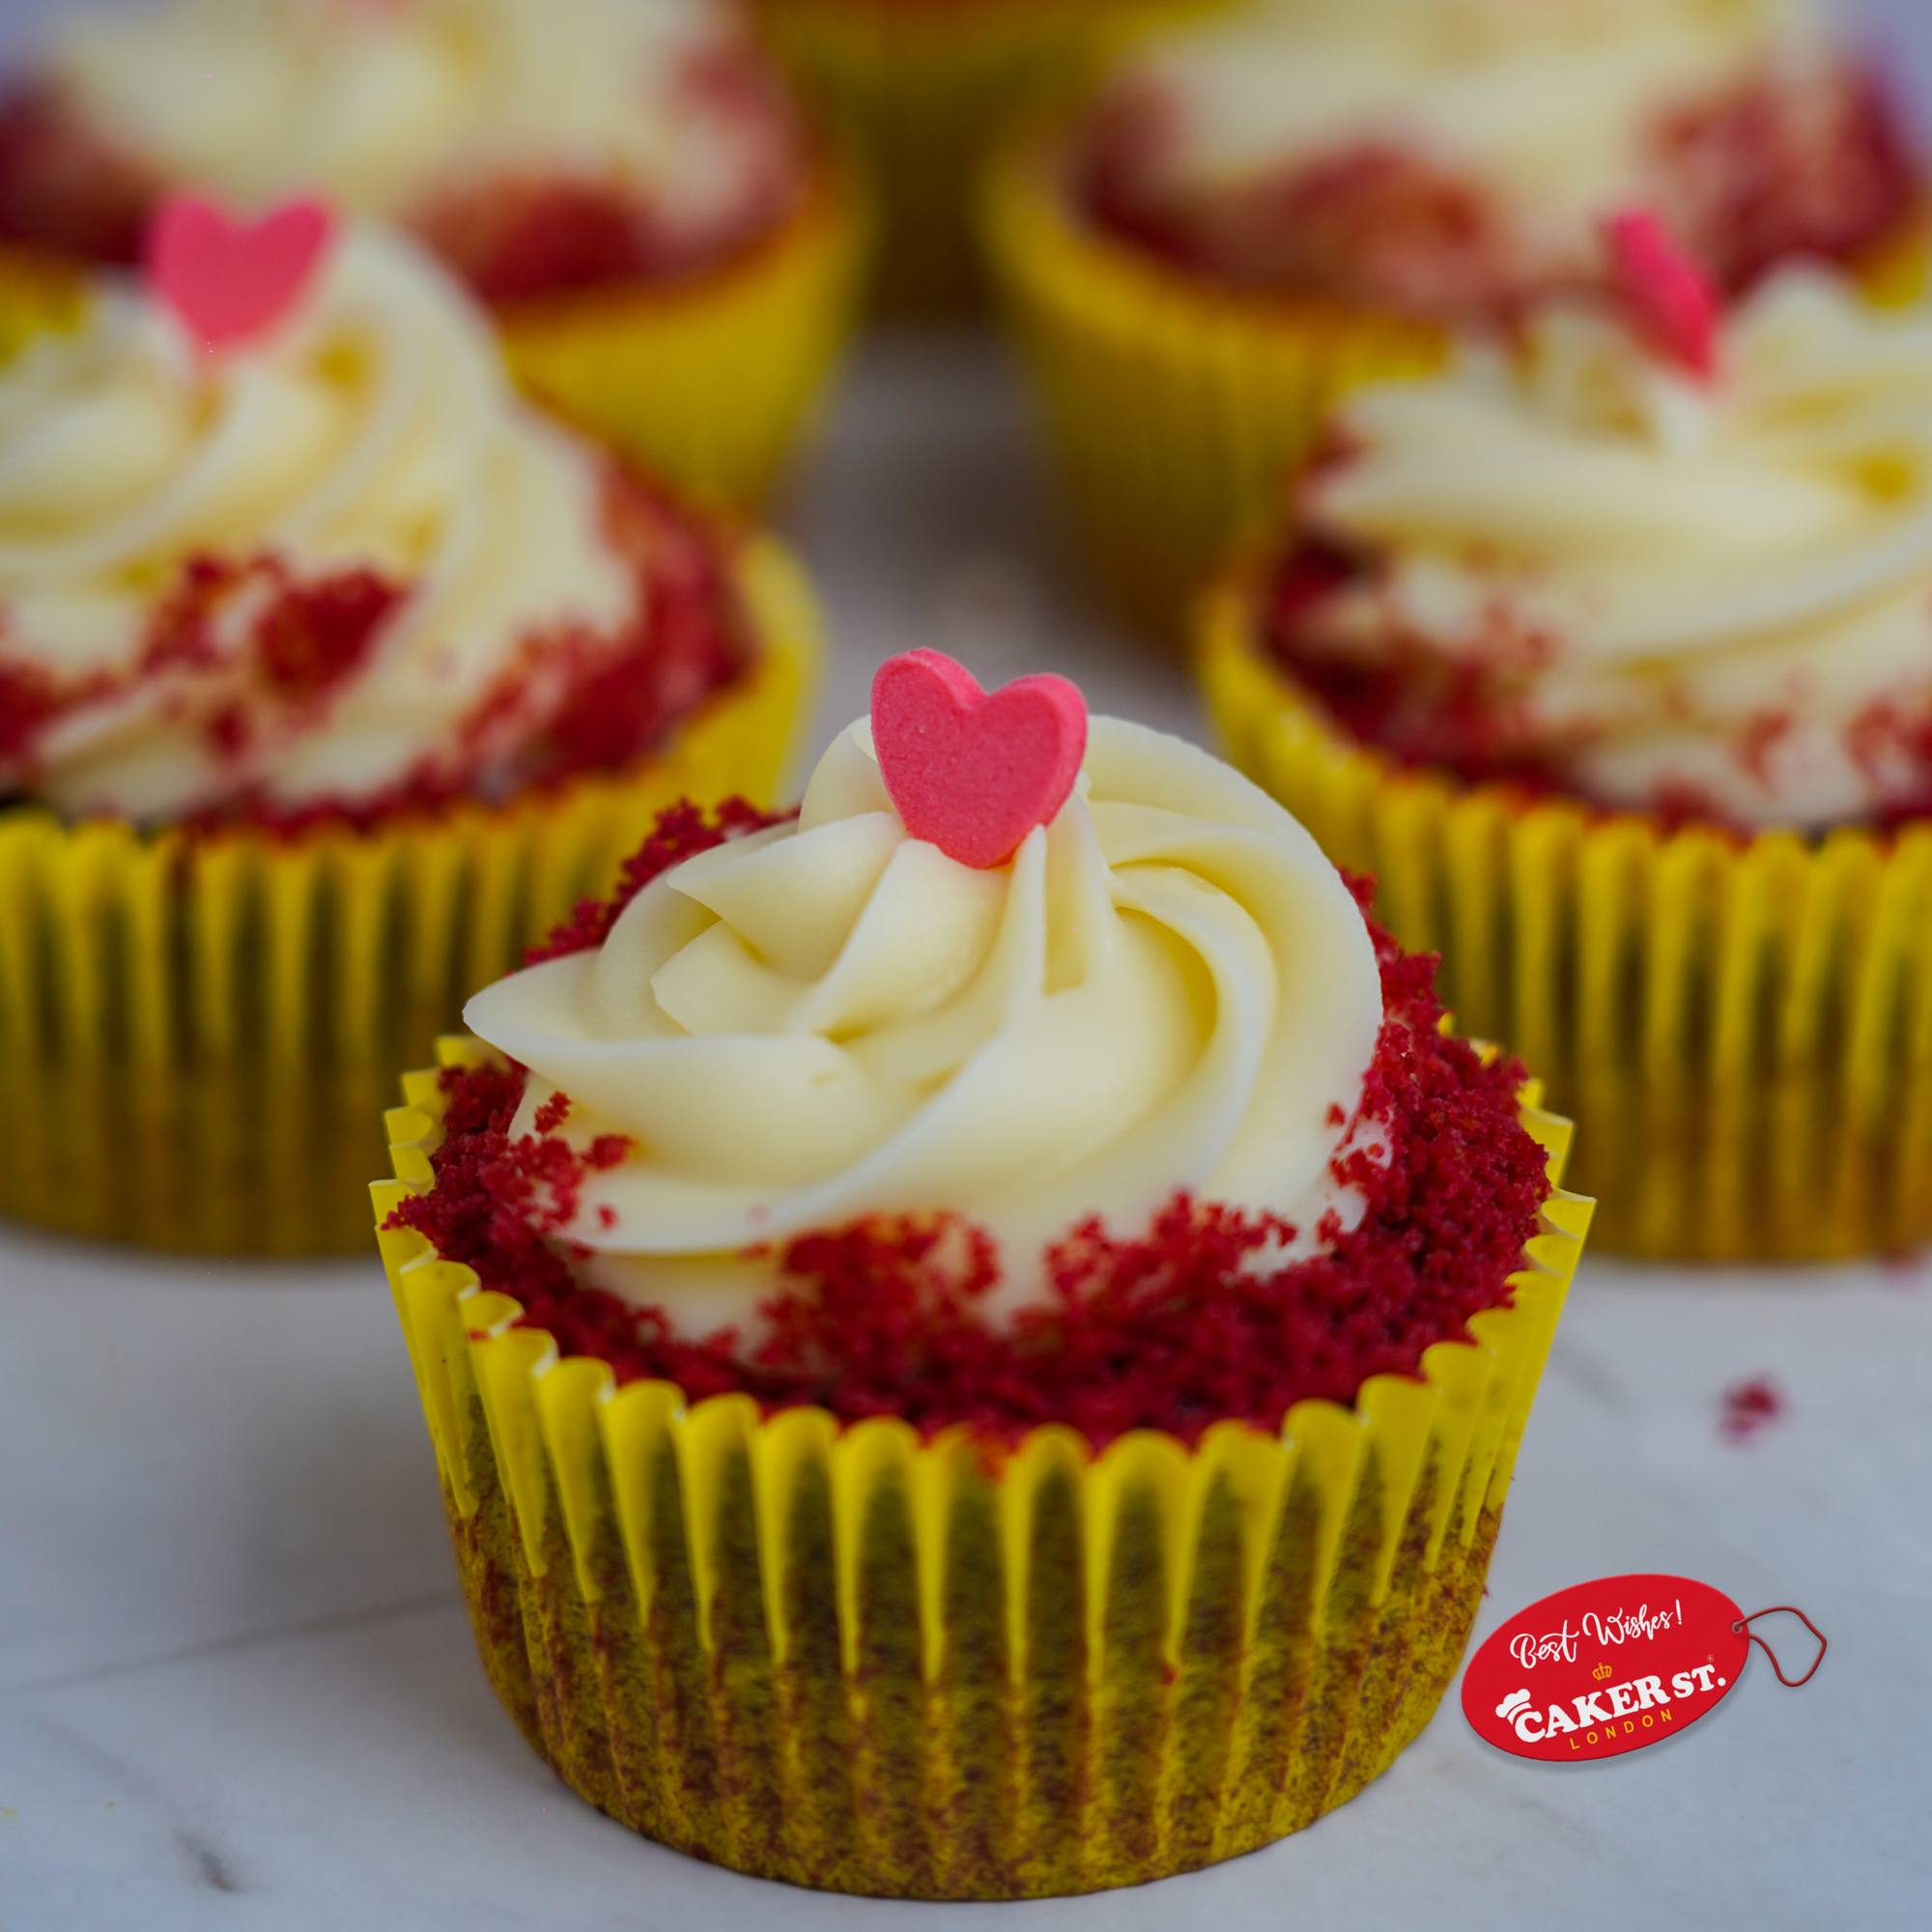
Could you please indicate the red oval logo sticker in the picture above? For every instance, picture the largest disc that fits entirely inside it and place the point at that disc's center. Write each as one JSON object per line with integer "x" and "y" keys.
{"x": 1605, "y": 1667}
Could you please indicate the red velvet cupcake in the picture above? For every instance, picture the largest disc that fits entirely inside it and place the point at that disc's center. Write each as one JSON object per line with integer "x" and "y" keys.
{"x": 314, "y": 638}
{"x": 1107, "y": 1302}
{"x": 1612, "y": 659}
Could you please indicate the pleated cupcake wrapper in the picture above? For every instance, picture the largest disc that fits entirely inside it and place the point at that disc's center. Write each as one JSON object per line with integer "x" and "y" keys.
{"x": 1742, "y": 1028}
{"x": 196, "y": 1032}
{"x": 854, "y": 1660}
{"x": 708, "y": 383}
{"x": 1177, "y": 409}
{"x": 918, "y": 90}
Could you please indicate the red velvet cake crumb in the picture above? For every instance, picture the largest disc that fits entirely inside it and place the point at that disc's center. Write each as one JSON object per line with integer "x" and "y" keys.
{"x": 1411, "y": 702}
{"x": 315, "y": 635}
{"x": 1174, "y": 1328}
{"x": 68, "y": 187}
{"x": 571, "y": 701}
{"x": 1468, "y": 717}
{"x": 518, "y": 237}
{"x": 1776, "y": 168}
{"x": 1766, "y": 173}
{"x": 65, "y": 187}
{"x": 29, "y": 702}
{"x": 1749, "y": 1406}
{"x": 682, "y": 830}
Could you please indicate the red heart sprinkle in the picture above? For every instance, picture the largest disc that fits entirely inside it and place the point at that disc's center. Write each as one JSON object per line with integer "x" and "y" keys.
{"x": 969, "y": 772}
{"x": 230, "y": 281}
{"x": 1663, "y": 291}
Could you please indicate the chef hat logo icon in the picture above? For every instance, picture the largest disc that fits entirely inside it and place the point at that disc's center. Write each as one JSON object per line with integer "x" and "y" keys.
{"x": 1515, "y": 1701}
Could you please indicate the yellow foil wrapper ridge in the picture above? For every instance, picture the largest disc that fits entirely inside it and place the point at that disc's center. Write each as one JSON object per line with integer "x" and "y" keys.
{"x": 854, "y": 1660}
{"x": 196, "y": 1031}
{"x": 1740, "y": 1027}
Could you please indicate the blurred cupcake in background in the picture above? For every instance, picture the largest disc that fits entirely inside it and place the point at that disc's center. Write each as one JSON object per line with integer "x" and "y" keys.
{"x": 331, "y": 672}
{"x": 976, "y": 1336}
{"x": 919, "y": 87}
{"x": 1252, "y": 215}
{"x": 627, "y": 184}
{"x": 1612, "y": 658}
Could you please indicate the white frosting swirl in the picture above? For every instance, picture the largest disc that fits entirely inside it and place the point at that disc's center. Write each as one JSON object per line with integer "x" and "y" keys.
{"x": 1549, "y": 104}
{"x": 1169, "y": 987}
{"x": 1724, "y": 591}
{"x": 374, "y": 428}
{"x": 385, "y": 104}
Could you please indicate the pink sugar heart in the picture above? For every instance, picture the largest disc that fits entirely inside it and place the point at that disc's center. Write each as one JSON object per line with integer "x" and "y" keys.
{"x": 230, "y": 281}
{"x": 1663, "y": 291}
{"x": 969, "y": 770}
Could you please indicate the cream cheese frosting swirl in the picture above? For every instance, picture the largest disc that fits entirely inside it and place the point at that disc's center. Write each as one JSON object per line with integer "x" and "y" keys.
{"x": 1168, "y": 988}
{"x": 374, "y": 429}
{"x": 1549, "y": 96}
{"x": 1419, "y": 151}
{"x": 1719, "y": 594}
{"x": 385, "y": 104}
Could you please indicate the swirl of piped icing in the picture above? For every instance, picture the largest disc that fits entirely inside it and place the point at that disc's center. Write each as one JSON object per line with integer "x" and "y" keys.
{"x": 1670, "y": 591}
{"x": 371, "y": 442}
{"x": 1167, "y": 987}
{"x": 1452, "y": 155}
{"x": 389, "y": 106}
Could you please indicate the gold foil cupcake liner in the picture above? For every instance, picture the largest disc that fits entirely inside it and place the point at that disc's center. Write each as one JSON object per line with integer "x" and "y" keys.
{"x": 196, "y": 1030}
{"x": 708, "y": 383}
{"x": 917, "y": 90}
{"x": 1176, "y": 408}
{"x": 1740, "y": 1027}
{"x": 854, "y": 1660}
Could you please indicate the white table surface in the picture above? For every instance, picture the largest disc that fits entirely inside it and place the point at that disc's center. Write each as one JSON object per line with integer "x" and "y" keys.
{"x": 236, "y": 1684}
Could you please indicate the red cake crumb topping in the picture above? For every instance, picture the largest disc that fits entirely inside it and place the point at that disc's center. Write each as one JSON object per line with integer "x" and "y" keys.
{"x": 1425, "y": 709}
{"x": 1768, "y": 171}
{"x": 68, "y": 187}
{"x": 1772, "y": 169}
{"x": 1748, "y": 1406}
{"x": 256, "y": 655}
{"x": 682, "y": 830}
{"x": 515, "y": 238}
{"x": 1469, "y": 717}
{"x": 64, "y": 188}
{"x": 1174, "y": 1328}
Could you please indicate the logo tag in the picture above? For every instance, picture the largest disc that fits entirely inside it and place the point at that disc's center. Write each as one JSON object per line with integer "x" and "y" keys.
{"x": 1605, "y": 1667}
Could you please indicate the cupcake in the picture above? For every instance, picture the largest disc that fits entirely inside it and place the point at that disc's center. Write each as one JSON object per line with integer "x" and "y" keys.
{"x": 626, "y": 183}
{"x": 917, "y": 87}
{"x": 1251, "y": 217}
{"x": 975, "y": 1335}
{"x": 331, "y": 672}
{"x": 1613, "y": 658}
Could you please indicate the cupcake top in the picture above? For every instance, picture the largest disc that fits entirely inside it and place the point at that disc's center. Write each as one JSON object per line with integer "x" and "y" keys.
{"x": 330, "y": 562}
{"x": 535, "y": 146}
{"x": 1449, "y": 158}
{"x": 1114, "y": 1110}
{"x": 1589, "y": 565}
{"x": 1167, "y": 986}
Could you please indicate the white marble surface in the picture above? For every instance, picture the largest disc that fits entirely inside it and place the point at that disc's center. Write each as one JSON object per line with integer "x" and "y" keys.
{"x": 237, "y": 1685}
